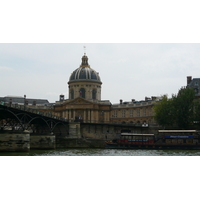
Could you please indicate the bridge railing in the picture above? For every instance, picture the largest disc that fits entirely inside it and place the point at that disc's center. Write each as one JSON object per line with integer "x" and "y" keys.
{"x": 34, "y": 111}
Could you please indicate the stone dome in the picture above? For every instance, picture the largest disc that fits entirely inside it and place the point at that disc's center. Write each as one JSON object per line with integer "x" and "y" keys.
{"x": 85, "y": 73}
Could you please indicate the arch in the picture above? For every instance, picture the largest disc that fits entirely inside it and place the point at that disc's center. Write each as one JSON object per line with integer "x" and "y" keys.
{"x": 41, "y": 119}
{"x": 82, "y": 92}
{"x": 18, "y": 119}
{"x": 57, "y": 124}
{"x": 24, "y": 116}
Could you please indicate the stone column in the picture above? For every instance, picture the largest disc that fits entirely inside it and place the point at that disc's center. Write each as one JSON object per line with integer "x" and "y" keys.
{"x": 89, "y": 117}
{"x": 92, "y": 117}
{"x": 84, "y": 115}
{"x": 69, "y": 115}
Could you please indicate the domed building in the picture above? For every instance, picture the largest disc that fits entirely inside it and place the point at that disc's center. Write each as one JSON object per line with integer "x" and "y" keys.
{"x": 85, "y": 82}
{"x": 84, "y": 103}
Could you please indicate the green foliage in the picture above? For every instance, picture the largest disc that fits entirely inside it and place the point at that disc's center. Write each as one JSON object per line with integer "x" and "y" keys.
{"x": 176, "y": 111}
{"x": 196, "y": 115}
{"x": 183, "y": 104}
{"x": 164, "y": 111}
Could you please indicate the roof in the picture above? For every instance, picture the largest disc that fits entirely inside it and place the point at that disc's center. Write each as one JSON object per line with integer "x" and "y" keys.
{"x": 134, "y": 134}
{"x": 84, "y": 72}
{"x": 195, "y": 84}
{"x": 177, "y": 131}
{"x": 20, "y": 100}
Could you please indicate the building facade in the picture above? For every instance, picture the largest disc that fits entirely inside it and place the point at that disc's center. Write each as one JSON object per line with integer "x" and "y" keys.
{"x": 194, "y": 83}
{"x": 84, "y": 102}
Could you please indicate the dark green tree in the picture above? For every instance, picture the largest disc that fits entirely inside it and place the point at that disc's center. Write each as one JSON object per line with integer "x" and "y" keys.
{"x": 164, "y": 111}
{"x": 177, "y": 111}
{"x": 196, "y": 116}
{"x": 183, "y": 104}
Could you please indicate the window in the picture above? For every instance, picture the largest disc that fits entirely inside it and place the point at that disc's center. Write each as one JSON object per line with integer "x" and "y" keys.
{"x": 123, "y": 113}
{"x": 82, "y": 92}
{"x": 115, "y": 114}
{"x": 138, "y": 112}
{"x": 131, "y": 113}
{"x": 94, "y": 92}
{"x": 144, "y": 111}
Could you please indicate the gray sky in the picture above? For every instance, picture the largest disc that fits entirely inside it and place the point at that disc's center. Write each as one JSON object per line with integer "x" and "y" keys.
{"x": 127, "y": 70}
{"x": 140, "y": 48}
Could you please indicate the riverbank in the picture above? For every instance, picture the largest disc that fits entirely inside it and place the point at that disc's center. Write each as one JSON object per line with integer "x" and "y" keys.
{"x": 79, "y": 143}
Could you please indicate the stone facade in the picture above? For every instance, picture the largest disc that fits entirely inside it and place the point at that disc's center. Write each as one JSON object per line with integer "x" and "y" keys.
{"x": 82, "y": 110}
{"x": 134, "y": 112}
{"x": 85, "y": 104}
{"x": 15, "y": 142}
{"x": 195, "y": 84}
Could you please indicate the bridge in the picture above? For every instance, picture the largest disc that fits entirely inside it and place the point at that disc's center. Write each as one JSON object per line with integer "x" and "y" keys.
{"x": 23, "y": 128}
{"x": 21, "y": 118}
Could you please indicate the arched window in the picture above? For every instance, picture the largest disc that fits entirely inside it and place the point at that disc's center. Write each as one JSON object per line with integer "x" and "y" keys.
{"x": 82, "y": 92}
{"x": 72, "y": 94}
{"x": 94, "y": 94}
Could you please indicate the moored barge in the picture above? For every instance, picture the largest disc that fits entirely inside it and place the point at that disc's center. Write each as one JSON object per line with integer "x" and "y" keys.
{"x": 165, "y": 139}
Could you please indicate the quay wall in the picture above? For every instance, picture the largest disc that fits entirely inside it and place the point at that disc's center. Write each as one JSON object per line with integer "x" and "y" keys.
{"x": 15, "y": 142}
{"x": 108, "y": 132}
{"x": 95, "y": 135}
{"x": 42, "y": 142}
{"x": 62, "y": 143}
{"x": 79, "y": 136}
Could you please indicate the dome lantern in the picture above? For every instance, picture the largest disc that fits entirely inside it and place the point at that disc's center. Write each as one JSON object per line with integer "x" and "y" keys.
{"x": 84, "y": 61}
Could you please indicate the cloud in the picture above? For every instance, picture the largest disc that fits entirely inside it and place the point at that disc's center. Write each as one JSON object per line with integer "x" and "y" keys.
{"x": 2, "y": 68}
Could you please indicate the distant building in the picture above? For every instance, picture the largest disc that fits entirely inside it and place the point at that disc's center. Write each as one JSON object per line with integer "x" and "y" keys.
{"x": 23, "y": 100}
{"x": 195, "y": 84}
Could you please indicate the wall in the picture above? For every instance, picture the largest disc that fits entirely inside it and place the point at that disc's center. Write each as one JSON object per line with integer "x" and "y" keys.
{"x": 14, "y": 142}
{"x": 42, "y": 142}
{"x": 108, "y": 131}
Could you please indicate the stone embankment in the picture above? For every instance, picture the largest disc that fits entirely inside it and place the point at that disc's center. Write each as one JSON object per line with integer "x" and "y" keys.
{"x": 23, "y": 141}
{"x": 79, "y": 143}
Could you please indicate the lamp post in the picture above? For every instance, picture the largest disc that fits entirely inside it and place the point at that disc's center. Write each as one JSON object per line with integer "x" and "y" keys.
{"x": 24, "y": 101}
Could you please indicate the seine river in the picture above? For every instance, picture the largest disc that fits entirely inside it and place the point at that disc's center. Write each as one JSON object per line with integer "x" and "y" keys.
{"x": 103, "y": 152}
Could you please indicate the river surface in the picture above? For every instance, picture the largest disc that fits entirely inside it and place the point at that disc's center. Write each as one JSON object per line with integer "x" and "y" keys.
{"x": 103, "y": 152}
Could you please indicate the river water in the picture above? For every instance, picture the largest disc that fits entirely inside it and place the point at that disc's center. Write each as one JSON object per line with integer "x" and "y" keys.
{"x": 103, "y": 152}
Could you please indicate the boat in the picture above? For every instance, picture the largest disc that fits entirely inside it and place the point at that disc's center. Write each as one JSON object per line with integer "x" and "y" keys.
{"x": 167, "y": 139}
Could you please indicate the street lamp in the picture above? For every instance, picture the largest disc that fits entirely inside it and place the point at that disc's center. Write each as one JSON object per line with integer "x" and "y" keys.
{"x": 24, "y": 101}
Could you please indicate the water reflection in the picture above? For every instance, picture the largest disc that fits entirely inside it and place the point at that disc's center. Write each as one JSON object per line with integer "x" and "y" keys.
{"x": 104, "y": 152}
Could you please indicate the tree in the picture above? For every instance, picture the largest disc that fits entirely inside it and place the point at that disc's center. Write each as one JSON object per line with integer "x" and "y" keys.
{"x": 183, "y": 104}
{"x": 196, "y": 108}
{"x": 176, "y": 111}
{"x": 164, "y": 111}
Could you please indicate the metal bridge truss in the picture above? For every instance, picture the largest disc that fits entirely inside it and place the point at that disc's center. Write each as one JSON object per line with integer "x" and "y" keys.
{"x": 14, "y": 119}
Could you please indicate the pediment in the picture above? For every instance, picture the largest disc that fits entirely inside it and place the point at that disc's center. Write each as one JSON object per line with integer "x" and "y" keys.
{"x": 79, "y": 100}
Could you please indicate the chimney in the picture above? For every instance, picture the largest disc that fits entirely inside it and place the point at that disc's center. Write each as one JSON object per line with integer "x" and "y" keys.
{"x": 153, "y": 98}
{"x": 121, "y": 101}
{"x": 34, "y": 103}
{"x": 62, "y": 97}
{"x": 189, "y": 79}
{"x": 133, "y": 100}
